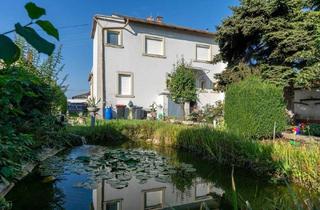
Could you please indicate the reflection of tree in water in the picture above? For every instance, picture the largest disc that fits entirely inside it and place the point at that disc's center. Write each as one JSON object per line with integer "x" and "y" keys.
{"x": 58, "y": 199}
{"x": 182, "y": 180}
{"x": 32, "y": 193}
{"x": 256, "y": 190}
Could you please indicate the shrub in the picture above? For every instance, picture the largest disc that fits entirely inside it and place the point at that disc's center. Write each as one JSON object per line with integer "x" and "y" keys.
{"x": 252, "y": 107}
{"x": 27, "y": 119}
{"x": 314, "y": 129}
{"x": 208, "y": 113}
{"x": 182, "y": 84}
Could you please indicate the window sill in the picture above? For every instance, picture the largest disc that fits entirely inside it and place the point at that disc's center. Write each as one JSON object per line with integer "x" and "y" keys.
{"x": 154, "y": 56}
{"x": 125, "y": 96}
{"x": 113, "y": 45}
{"x": 202, "y": 61}
{"x": 207, "y": 91}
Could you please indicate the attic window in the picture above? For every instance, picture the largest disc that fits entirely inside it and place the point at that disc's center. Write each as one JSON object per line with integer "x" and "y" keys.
{"x": 114, "y": 37}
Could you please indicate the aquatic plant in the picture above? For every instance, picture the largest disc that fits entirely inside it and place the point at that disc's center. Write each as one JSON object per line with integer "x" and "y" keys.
{"x": 116, "y": 167}
{"x": 278, "y": 160}
{"x": 4, "y": 205}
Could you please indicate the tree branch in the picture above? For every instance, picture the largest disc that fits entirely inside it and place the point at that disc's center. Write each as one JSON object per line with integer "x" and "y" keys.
{"x": 13, "y": 30}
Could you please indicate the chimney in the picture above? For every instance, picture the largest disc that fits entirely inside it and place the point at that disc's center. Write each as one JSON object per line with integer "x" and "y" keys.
{"x": 150, "y": 18}
{"x": 159, "y": 19}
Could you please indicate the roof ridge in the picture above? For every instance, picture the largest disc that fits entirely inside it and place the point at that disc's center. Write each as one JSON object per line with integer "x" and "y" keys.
{"x": 161, "y": 24}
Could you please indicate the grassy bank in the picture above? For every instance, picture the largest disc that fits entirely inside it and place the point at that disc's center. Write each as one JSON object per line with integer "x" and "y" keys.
{"x": 276, "y": 159}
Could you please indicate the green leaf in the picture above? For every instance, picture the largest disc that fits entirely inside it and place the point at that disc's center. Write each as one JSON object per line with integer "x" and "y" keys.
{"x": 48, "y": 28}
{"x": 9, "y": 51}
{"x": 33, "y": 38}
{"x": 34, "y": 11}
{"x": 6, "y": 171}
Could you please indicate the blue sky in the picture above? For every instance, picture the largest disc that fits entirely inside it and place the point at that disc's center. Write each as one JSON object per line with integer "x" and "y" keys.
{"x": 73, "y": 18}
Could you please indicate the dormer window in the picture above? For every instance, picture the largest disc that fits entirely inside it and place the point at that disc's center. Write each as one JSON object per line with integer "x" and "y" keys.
{"x": 114, "y": 38}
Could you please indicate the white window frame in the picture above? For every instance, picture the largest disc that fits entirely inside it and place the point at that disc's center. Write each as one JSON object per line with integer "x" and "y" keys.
{"x": 113, "y": 201}
{"x": 120, "y": 38}
{"x": 209, "y": 53}
{"x": 144, "y": 194}
{"x": 118, "y": 94}
{"x": 158, "y": 38}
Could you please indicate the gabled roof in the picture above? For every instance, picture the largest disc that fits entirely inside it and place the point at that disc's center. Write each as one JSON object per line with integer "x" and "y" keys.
{"x": 152, "y": 23}
{"x": 81, "y": 96}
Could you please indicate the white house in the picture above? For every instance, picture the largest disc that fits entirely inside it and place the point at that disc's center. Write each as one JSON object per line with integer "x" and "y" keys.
{"x": 132, "y": 58}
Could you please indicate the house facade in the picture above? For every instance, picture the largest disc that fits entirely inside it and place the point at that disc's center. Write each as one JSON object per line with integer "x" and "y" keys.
{"x": 157, "y": 195}
{"x": 133, "y": 57}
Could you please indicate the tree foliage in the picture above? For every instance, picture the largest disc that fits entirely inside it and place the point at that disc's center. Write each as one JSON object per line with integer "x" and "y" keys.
{"x": 279, "y": 38}
{"x": 10, "y": 52}
{"x": 253, "y": 106}
{"x": 31, "y": 94}
{"x": 181, "y": 84}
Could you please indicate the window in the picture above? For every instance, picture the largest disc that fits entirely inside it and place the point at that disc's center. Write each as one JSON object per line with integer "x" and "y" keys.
{"x": 201, "y": 190}
{"x": 154, "y": 46}
{"x": 113, "y": 205}
{"x": 154, "y": 199}
{"x": 113, "y": 37}
{"x": 125, "y": 84}
{"x": 203, "y": 53}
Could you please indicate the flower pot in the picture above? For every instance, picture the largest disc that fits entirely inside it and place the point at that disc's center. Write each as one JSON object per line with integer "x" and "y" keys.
{"x": 93, "y": 109}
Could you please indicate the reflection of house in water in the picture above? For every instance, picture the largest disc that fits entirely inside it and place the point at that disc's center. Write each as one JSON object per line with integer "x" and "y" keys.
{"x": 156, "y": 195}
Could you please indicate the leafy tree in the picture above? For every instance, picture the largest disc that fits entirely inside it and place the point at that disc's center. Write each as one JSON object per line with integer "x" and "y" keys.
{"x": 277, "y": 39}
{"x": 48, "y": 68}
{"x": 10, "y": 52}
{"x": 182, "y": 85}
{"x": 29, "y": 94}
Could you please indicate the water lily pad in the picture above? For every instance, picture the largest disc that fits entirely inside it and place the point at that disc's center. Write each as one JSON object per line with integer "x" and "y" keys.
{"x": 113, "y": 181}
{"x": 125, "y": 177}
{"x": 84, "y": 158}
{"x": 142, "y": 181}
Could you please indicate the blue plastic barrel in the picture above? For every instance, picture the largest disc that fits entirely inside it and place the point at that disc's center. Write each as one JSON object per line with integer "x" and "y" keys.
{"x": 108, "y": 113}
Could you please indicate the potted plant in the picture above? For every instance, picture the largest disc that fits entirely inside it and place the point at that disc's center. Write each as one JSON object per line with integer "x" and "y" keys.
{"x": 153, "y": 110}
{"x": 92, "y": 104}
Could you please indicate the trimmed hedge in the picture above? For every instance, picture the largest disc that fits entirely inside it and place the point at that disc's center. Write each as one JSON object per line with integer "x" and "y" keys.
{"x": 253, "y": 106}
{"x": 314, "y": 130}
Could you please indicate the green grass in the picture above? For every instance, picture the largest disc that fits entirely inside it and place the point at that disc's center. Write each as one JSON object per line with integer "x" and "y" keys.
{"x": 278, "y": 160}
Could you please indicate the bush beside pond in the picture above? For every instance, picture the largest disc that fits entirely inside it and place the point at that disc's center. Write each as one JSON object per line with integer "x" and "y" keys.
{"x": 252, "y": 107}
{"x": 276, "y": 159}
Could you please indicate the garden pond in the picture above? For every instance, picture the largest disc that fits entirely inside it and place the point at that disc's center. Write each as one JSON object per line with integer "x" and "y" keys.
{"x": 131, "y": 177}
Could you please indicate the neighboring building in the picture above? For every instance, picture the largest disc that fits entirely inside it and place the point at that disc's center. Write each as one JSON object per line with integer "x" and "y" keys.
{"x": 307, "y": 105}
{"x": 78, "y": 103}
{"x": 132, "y": 58}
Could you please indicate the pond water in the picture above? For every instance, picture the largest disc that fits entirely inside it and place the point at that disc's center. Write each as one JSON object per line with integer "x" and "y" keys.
{"x": 135, "y": 178}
